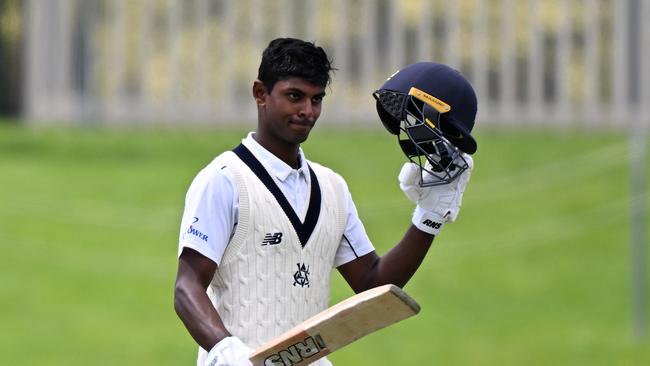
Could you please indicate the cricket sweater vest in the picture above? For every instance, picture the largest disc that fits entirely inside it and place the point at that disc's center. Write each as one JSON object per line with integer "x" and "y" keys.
{"x": 276, "y": 270}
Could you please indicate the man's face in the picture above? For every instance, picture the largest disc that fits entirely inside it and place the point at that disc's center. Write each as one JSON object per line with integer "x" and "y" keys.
{"x": 289, "y": 112}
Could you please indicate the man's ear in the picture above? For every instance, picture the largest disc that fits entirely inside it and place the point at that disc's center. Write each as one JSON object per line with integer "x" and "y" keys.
{"x": 259, "y": 93}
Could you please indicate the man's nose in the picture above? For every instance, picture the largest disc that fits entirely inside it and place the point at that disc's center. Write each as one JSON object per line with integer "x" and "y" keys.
{"x": 307, "y": 110}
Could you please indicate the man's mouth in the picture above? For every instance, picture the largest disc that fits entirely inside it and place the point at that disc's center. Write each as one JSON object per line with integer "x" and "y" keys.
{"x": 302, "y": 123}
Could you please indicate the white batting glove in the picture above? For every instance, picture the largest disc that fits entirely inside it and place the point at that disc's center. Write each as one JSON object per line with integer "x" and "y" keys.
{"x": 436, "y": 205}
{"x": 230, "y": 351}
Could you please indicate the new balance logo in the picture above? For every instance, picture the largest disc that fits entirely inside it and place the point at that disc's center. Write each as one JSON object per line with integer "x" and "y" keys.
{"x": 432, "y": 224}
{"x": 272, "y": 239}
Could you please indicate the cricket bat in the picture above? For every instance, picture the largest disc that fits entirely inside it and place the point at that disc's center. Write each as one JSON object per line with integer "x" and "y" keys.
{"x": 337, "y": 327}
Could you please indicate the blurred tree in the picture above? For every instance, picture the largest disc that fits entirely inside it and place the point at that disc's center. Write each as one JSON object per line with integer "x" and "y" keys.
{"x": 10, "y": 55}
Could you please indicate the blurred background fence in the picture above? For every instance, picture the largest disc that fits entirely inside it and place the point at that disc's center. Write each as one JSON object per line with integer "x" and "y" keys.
{"x": 578, "y": 62}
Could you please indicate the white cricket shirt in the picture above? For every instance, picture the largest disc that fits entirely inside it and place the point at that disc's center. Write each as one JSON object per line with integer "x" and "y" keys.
{"x": 212, "y": 209}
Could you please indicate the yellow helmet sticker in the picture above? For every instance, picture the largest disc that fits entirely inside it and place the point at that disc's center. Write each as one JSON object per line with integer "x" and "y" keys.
{"x": 436, "y": 103}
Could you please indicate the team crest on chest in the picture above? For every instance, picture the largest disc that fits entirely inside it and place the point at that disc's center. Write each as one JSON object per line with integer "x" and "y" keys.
{"x": 301, "y": 277}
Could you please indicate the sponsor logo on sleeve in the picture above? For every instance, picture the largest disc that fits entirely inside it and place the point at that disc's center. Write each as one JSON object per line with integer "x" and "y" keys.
{"x": 192, "y": 231}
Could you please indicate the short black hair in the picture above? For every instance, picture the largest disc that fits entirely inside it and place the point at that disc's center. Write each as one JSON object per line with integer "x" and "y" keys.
{"x": 290, "y": 57}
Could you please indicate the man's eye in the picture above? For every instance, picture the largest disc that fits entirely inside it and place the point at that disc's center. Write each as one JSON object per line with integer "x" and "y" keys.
{"x": 317, "y": 100}
{"x": 293, "y": 96}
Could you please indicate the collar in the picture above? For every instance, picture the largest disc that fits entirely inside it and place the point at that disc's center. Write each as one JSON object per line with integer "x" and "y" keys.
{"x": 272, "y": 163}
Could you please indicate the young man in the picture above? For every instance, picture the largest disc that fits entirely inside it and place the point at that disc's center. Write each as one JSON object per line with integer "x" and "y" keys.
{"x": 263, "y": 226}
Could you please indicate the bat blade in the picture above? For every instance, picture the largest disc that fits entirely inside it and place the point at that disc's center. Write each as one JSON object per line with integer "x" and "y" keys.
{"x": 337, "y": 327}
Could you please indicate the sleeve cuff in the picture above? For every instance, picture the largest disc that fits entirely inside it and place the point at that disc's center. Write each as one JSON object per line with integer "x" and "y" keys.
{"x": 210, "y": 254}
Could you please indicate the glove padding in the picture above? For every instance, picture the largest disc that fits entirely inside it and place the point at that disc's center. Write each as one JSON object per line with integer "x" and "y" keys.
{"x": 230, "y": 351}
{"x": 436, "y": 205}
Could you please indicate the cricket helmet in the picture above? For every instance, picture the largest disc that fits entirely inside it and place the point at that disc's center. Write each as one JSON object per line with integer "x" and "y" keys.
{"x": 431, "y": 108}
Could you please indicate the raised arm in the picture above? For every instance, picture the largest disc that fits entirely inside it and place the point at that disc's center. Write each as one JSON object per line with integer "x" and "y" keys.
{"x": 396, "y": 267}
{"x": 436, "y": 206}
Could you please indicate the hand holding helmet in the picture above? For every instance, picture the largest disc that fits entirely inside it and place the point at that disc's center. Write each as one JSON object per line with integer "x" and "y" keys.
{"x": 431, "y": 108}
{"x": 437, "y": 204}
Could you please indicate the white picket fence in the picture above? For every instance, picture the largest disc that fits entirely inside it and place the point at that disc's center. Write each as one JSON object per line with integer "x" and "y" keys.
{"x": 549, "y": 62}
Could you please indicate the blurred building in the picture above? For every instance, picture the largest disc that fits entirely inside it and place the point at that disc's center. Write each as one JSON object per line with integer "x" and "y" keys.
{"x": 181, "y": 61}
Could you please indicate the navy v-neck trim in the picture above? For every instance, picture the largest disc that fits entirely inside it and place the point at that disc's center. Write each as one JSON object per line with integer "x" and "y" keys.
{"x": 303, "y": 229}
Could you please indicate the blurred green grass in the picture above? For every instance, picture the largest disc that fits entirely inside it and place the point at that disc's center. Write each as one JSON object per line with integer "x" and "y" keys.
{"x": 536, "y": 271}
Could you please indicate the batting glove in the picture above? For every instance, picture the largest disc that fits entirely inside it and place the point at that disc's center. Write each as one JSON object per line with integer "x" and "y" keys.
{"x": 436, "y": 205}
{"x": 230, "y": 351}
